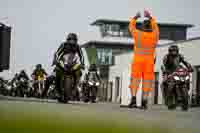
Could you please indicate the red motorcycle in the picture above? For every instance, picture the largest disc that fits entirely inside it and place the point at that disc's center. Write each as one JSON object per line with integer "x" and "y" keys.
{"x": 177, "y": 88}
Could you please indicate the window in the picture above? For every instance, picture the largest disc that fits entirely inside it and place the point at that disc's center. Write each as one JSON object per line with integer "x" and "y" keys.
{"x": 104, "y": 56}
{"x": 104, "y": 30}
{"x": 115, "y": 27}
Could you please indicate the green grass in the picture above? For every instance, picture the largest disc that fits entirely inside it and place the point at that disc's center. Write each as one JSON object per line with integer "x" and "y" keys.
{"x": 42, "y": 119}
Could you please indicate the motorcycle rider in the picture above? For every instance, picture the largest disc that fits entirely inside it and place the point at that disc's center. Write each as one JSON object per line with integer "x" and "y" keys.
{"x": 23, "y": 74}
{"x": 38, "y": 72}
{"x": 70, "y": 45}
{"x": 18, "y": 76}
{"x": 14, "y": 78}
{"x": 171, "y": 61}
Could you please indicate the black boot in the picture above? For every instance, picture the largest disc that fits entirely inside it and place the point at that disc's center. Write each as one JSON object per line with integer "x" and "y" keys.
{"x": 144, "y": 104}
{"x": 185, "y": 105}
{"x": 93, "y": 99}
{"x": 133, "y": 102}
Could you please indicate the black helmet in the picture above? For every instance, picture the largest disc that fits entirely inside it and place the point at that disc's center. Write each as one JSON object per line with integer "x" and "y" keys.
{"x": 39, "y": 66}
{"x": 173, "y": 49}
{"x": 93, "y": 67}
{"x": 72, "y": 36}
{"x": 22, "y": 71}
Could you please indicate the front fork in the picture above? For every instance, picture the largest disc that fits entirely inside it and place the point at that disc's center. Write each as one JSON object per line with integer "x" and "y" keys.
{"x": 41, "y": 86}
{"x": 171, "y": 100}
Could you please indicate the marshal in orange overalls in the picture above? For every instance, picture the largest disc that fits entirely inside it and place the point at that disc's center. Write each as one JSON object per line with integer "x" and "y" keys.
{"x": 144, "y": 53}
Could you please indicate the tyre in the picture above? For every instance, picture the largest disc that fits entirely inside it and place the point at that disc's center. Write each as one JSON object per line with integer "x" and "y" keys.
{"x": 171, "y": 102}
{"x": 67, "y": 88}
{"x": 93, "y": 94}
{"x": 52, "y": 94}
{"x": 86, "y": 94}
{"x": 185, "y": 100}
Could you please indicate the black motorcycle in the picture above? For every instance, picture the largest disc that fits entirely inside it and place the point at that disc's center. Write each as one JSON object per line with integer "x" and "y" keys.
{"x": 90, "y": 88}
{"x": 4, "y": 87}
{"x": 52, "y": 92}
{"x": 20, "y": 87}
{"x": 177, "y": 89}
{"x": 70, "y": 65}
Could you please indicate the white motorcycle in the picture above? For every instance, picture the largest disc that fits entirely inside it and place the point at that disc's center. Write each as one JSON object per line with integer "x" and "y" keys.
{"x": 91, "y": 88}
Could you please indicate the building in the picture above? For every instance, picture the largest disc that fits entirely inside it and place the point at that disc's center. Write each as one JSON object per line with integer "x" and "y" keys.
{"x": 106, "y": 54}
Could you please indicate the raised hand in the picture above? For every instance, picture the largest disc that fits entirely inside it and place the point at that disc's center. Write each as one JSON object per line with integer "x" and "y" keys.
{"x": 147, "y": 14}
{"x": 138, "y": 15}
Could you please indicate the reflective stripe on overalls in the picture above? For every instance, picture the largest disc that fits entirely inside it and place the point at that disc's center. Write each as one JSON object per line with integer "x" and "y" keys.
{"x": 147, "y": 82}
{"x": 143, "y": 50}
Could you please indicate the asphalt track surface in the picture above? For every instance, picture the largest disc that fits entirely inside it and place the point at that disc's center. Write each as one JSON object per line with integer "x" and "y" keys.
{"x": 177, "y": 121}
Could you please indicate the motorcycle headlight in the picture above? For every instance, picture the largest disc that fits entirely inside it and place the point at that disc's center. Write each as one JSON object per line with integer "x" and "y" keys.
{"x": 176, "y": 78}
{"x": 97, "y": 84}
{"x": 187, "y": 78}
{"x": 9, "y": 87}
{"x": 14, "y": 85}
{"x": 90, "y": 83}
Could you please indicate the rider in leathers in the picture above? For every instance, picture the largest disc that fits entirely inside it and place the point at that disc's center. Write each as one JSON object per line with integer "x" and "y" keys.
{"x": 39, "y": 71}
{"x": 170, "y": 63}
{"x": 23, "y": 74}
{"x": 70, "y": 45}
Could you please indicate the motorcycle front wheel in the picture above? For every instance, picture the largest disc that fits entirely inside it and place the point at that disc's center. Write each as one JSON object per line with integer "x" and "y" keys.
{"x": 86, "y": 94}
{"x": 93, "y": 94}
{"x": 68, "y": 82}
{"x": 185, "y": 99}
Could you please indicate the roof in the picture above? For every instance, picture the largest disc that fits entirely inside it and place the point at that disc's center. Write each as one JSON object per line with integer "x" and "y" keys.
{"x": 103, "y": 44}
{"x": 178, "y": 42}
{"x": 109, "y": 21}
{"x": 124, "y": 45}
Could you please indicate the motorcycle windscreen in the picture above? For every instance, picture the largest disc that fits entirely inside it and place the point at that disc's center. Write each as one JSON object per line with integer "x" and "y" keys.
{"x": 93, "y": 77}
{"x": 71, "y": 59}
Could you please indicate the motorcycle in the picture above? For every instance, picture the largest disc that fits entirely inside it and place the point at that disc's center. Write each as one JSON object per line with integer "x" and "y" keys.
{"x": 20, "y": 87}
{"x": 52, "y": 92}
{"x": 70, "y": 65}
{"x": 13, "y": 88}
{"x": 91, "y": 88}
{"x": 31, "y": 88}
{"x": 4, "y": 87}
{"x": 9, "y": 87}
{"x": 177, "y": 89}
{"x": 39, "y": 86}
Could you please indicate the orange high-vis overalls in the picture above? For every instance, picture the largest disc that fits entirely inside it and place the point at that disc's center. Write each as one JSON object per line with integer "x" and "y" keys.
{"x": 144, "y": 53}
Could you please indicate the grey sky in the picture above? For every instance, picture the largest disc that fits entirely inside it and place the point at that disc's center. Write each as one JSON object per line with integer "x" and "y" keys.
{"x": 40, "y": 25}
